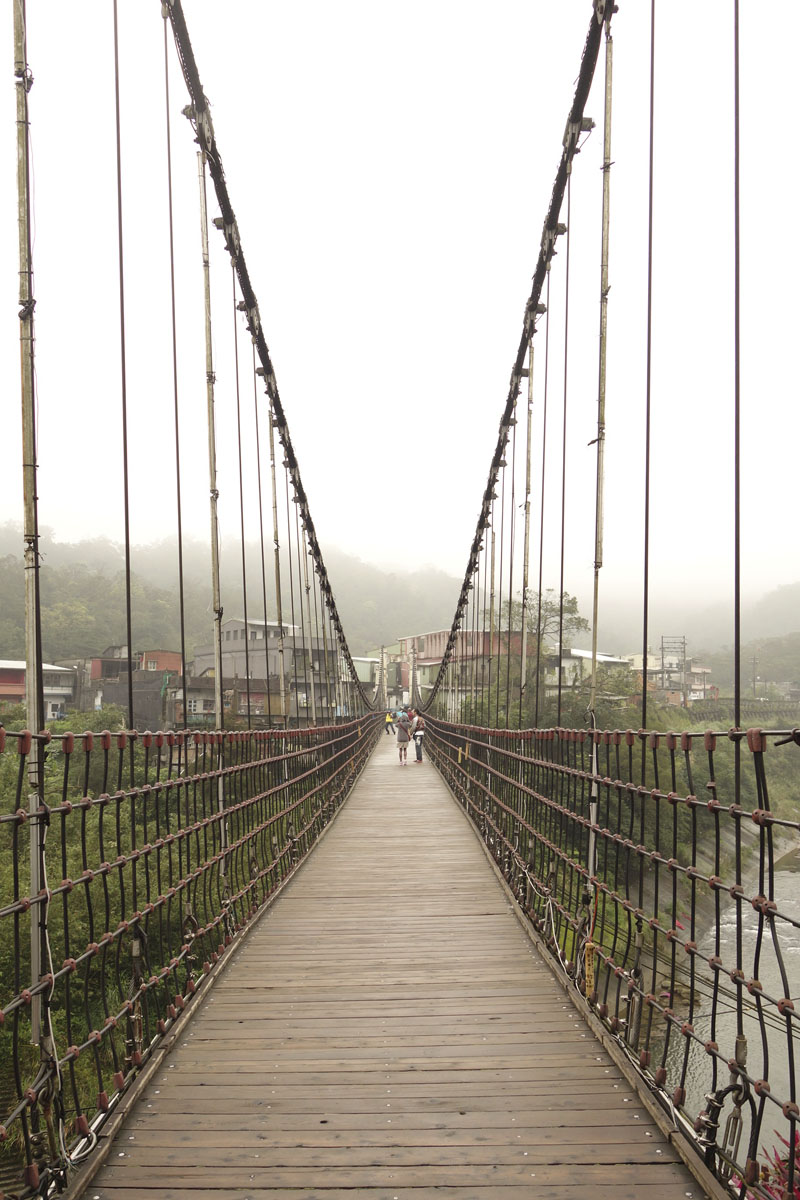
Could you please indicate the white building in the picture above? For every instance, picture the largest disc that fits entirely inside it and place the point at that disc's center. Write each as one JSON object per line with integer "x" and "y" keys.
{"x": 59, "y": 685}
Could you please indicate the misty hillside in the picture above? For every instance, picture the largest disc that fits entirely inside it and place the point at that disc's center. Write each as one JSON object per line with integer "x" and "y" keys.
{"x": 83, "y": 601}
{"x": 708, "y": 628}
{"x": 83, "y": 596}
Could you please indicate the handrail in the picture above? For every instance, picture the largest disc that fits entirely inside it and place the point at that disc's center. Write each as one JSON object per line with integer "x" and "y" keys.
{"x": 148, "y": 886}
{"x": 681, "y": 940}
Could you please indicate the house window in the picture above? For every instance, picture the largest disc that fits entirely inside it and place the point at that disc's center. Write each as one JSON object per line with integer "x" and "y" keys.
{"x": 191, "y": 704}
{"x": 227, "y": 635}
{"x": 152, "y": 664}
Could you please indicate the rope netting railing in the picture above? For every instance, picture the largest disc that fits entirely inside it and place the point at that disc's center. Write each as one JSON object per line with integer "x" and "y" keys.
{"x": 654, "y": 869}
{"x": 156, "y": 851}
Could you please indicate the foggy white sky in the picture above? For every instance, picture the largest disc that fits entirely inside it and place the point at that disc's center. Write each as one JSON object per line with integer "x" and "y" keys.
{"x": 390, "y": 167}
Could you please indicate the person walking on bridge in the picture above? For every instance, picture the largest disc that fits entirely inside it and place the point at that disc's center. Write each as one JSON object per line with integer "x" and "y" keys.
{"x": 403, "y": 736}
{"x": 389, "y": 725}
{"x": 417, "y": 732}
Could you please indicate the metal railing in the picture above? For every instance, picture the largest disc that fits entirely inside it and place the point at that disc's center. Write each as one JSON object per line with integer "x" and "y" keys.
{"x": 156, "y": 851}
{"x": 672, "y": 909}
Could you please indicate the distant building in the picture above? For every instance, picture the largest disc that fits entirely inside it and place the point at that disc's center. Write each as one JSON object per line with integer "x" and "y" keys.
{"x": 367, "y": 671}
{"x": 159, "y": 660}
{"x": 108, "y": 664}
{"x": 264, "y": 696}
{"x": 672, "y": 678}
{"x": 312, "y": 691}
{"x": 576, "y": 666}
{"x": 396, "y": 669}
{"x": 149, "y": 696}
{"x": 59, "y": 686}
{"x": 262, "y": 654}
{"x": 102, "y": 679}
{"x": 423, "y": 653}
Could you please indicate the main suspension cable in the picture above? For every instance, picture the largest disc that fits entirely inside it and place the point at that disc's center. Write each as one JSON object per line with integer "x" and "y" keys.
{"x": 601, "y": 14}
{"x": 203, "y": 126}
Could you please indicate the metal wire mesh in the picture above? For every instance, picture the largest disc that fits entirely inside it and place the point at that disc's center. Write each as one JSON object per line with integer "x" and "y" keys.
{"x": 158, "y": 850}
{"x": 671, "y": 907}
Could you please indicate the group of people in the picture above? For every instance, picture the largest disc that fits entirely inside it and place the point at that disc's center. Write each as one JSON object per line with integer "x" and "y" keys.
{"x": 407, "y": 724}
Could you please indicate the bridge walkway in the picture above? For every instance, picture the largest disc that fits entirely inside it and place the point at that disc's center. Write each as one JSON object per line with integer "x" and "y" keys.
{"x": 388, "y": 1030}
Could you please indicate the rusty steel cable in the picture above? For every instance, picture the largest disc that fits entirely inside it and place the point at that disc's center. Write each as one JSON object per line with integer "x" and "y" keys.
{"x": 123, "y": 375}
{"x": 261, "y": 541}
{"x": 499, "y": 606}
{"x": 173, "y": 317}
{"x": 293, "y": 674}
{"x": 648, "y": 369}
{"x": 512, "y": 650}
{"x": 545, "y": 395}
{"x": 563, "y": 541}
{"x": 237, "y": 390}
{"x": 204, "y": 130}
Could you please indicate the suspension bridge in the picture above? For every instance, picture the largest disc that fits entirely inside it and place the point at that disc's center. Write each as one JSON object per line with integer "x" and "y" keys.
{"x": 250, "y": 955}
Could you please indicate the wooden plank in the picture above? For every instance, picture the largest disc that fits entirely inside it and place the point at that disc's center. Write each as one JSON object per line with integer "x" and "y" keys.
{"x": 182, "y": 1131}
{"x": 449, "y": 1119}
{"x": 479, "y": 1153}
{"x": 434, "y": 1101}
{"x": 485, "y": 1085}
{"x": 637, "y": 1190}
{"x": 246, "y": 1174}
{"x": 535, "y": 1081}
{"x": 388, "y": 1031}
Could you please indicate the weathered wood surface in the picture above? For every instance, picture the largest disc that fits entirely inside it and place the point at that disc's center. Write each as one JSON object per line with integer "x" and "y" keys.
{"x": 389, "y": 1031}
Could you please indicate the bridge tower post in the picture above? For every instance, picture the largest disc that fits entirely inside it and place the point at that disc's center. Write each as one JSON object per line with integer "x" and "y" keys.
{"x": 34, "y": 690}
{"x": 212, "y": 453}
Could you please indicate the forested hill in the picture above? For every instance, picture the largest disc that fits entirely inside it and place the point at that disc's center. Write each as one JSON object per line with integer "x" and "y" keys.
{"x": 83, "y": 596}
{"x": 83, "y": 600}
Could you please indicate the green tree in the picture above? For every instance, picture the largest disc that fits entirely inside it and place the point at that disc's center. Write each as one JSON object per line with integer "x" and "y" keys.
{"x": 548, "y": 616}
{"x": 495, "y": 686}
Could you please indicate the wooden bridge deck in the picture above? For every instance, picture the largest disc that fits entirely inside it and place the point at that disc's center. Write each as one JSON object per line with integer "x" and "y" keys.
{"x": 388, "y": 1031}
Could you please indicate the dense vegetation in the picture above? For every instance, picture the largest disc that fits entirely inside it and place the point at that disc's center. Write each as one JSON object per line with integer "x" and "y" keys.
{"x": 84, "y": 609}
{"x": 83, "y": 597}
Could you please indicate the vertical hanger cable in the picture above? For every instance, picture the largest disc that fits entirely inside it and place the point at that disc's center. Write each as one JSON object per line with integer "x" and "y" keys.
{"x": 179, "y": 516}
{"x": 241, "y": 499}
{"x": 123, "y": 379}
{"x": 261, "y": 541}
